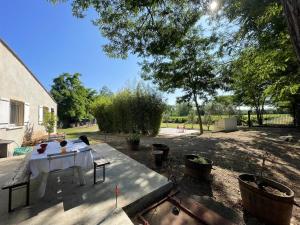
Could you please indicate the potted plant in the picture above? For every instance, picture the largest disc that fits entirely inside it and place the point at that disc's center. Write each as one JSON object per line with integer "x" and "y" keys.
{"x": 197, "y": 166}
{"x": 161, "y": 147}
{"x": 133, "y": 141}
{"x": 266, "y": 199}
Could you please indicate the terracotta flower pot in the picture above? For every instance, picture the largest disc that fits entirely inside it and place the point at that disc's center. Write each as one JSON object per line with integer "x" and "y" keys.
{"x": 197, "y": 170}
{"x": 270, "y": 208}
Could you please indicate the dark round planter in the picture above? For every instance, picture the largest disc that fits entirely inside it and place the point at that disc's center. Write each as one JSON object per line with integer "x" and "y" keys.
{"x": 197, "y": 170}
{"x": 133, "y": 146}
{"x": 158, "y": 158}
{"x": 161, "y": 147}
{"x": 270, "y": 208}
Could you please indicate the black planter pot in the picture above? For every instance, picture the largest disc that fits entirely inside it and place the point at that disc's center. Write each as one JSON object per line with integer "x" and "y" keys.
{"x": 158, "y": 158}
{"x": 161, "y": 147}
{"x": 133, "y": 145}
{"x": 197, "y": 170}
{"x": 270, "y": 208}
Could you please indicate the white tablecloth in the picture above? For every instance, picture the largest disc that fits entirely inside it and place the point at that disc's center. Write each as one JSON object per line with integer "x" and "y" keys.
{"x": 39, "y": 163}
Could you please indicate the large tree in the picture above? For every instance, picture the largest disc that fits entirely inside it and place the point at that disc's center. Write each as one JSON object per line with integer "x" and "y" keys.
{"x": 188, "y": 67}
{"x": 292, "y": 12}
{"x": 140, "y": 27}
{"x": 72, "y": 97}
{"x": 262, "y": 25}
{"x": 253, "y": 73}
{"x": 152, "y": 27}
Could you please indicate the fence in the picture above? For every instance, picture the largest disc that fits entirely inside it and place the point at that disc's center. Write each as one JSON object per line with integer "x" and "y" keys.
{"x": 273, "y": 120}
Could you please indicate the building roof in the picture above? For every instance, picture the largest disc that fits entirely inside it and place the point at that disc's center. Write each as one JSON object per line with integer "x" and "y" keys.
{"x": 17, "y": 57}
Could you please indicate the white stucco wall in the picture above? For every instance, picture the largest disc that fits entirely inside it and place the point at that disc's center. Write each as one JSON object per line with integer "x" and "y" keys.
{"x": 17, "y": 83}
{"x": 226, "y": 124}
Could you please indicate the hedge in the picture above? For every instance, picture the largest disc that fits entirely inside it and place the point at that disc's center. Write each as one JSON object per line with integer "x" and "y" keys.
{"x": 130, "y": 111}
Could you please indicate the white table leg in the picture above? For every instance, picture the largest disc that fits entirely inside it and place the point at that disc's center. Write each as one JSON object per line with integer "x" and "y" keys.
{"x": 42, "y": 188}
{"x": 80, "y": 175}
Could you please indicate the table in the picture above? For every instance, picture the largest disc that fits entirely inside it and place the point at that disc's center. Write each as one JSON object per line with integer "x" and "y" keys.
{"x": 40, "y": 164}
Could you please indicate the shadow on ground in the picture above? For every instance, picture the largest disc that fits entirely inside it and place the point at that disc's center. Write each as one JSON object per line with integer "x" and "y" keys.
{"x": 233, "y": 153}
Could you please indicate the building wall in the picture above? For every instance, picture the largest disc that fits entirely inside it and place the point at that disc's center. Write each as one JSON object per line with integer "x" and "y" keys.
{"x": 17, "y": 83}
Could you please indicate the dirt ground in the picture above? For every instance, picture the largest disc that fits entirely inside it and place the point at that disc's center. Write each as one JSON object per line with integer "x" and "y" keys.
{"x": 232, "y": 153}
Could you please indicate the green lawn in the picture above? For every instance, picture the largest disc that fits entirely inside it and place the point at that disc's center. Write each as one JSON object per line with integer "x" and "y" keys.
{"x": 73, "y": 133}
{"x": 94, "y": 134}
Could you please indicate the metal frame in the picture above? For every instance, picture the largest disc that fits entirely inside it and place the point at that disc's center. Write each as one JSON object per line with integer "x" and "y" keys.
{"x": 60, "y": 156}
{"x": 103, "y": 171}
{"x": 15, "y": 187}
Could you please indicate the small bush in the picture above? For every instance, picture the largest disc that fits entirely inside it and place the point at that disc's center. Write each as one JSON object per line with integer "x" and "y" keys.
{"x": 133, "y": 138}
{"x": 200, "y": 160}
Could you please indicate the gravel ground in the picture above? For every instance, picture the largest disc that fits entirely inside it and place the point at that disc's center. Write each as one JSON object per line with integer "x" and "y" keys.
{"x": 232, "y": 153}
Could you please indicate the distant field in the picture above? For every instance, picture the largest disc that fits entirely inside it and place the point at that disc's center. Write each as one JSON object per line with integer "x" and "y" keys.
{"x": 268, "y": 118}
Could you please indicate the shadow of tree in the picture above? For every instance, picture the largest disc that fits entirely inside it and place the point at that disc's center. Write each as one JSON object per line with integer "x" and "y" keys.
{"x": 235, "y": 152}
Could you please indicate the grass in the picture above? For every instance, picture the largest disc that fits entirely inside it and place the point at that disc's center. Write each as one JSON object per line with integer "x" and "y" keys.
{"x": 94, "y": 135}
{"x": 92, "y": 132}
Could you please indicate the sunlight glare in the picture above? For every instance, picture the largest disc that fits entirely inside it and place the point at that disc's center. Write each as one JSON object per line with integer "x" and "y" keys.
{"x": 213, "y": 5}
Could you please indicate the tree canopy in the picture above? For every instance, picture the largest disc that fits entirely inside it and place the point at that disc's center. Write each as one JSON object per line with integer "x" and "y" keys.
{"x": 265, "y": 32}
{"x": 72, "y": 97}
{"x": 140, "y": 27}
{"x": 190, "y": 68}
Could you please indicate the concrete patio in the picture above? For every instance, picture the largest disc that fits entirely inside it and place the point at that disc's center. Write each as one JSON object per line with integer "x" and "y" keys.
{"x": 65, "y": 202}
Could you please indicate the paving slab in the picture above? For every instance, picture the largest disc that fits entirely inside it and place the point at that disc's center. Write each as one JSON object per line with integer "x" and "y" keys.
{"x": 65, "y": 202}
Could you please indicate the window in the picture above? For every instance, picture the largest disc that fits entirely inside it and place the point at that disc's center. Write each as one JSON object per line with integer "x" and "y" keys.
{"x": 16, "y": 113}
{"x": 45, "y": 111}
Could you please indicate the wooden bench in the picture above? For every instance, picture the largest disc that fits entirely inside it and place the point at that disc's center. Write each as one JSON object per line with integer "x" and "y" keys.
{"x": 100, "y": 163}
{"x": 20, "y": 179}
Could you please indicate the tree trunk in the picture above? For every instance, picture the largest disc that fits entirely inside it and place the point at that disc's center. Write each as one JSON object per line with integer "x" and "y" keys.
{"x": 199, "y": 114}
{"x": 292, "y": 13}
{"x": 259, "y": 117}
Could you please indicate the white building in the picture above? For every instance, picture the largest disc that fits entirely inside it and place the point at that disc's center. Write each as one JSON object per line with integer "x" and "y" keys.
{"x": 23, "y": 102}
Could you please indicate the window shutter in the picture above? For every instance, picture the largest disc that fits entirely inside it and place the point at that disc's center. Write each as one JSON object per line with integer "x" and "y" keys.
{"x": 26, "y": 113}
{"x": 41, "y": 114}
{"x": 4, "y": 112}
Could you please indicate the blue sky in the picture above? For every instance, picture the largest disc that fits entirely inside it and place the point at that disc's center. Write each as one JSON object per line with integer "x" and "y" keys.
{"x": 51, "y": 41}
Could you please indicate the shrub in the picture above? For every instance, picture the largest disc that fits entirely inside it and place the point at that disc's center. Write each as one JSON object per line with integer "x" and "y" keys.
{"x": 133, "y": 138}
{"x": 130, "y": 111}
{"x": 207, "y": 120}
{"x": 49, "y": 122}
{"x": 200, "y": 160}
{"x": 103, "y": 112}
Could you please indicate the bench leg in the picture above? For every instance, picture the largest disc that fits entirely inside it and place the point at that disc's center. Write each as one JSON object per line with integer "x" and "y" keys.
{"x": 9, "y": 199}
{"x": 11, "y": 189}
{"x": 103, "y": 173}
{"x": 95, "y": 167}
{"x": 95, "y": 174}
{"x": 27, "y": 193}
